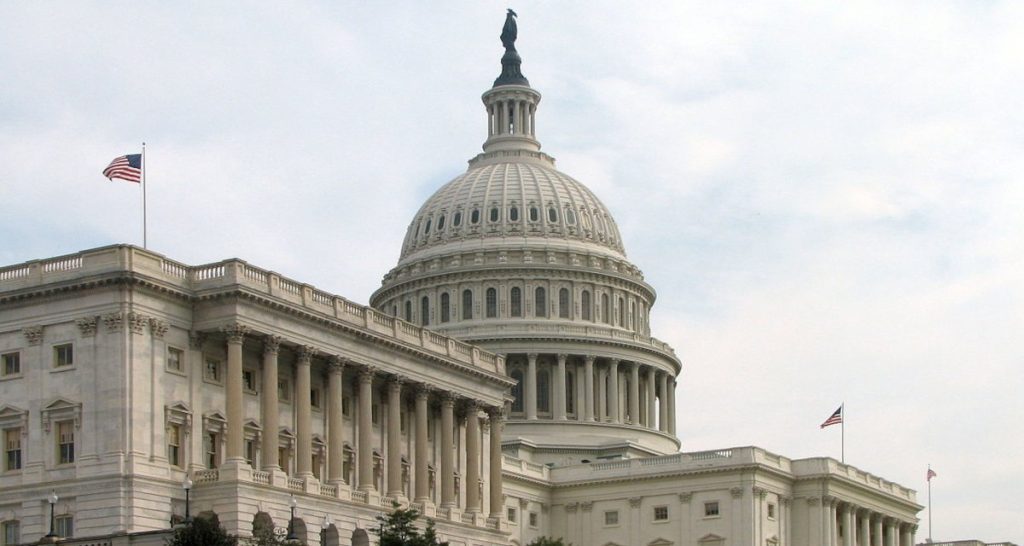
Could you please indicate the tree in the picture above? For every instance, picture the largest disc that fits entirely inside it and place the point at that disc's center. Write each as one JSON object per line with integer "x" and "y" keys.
{"x": 202, "y": 532}
{"x": 545, "y": 541}
{"x": 399, "y": 529}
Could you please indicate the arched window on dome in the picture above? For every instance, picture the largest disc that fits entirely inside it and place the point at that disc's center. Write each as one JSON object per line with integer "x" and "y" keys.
{"x": 543, "y": 391}
{"x": 446, "y": 312}
{"x": 440, "y": 223}
{"x": 408, "y": 311}
{"x": 492, "y": 303}
{"x": 540, "y": 303}
{"x": 585, "y": 219}
{"x": 606, "y": 315}
{"x": 534, "y": 214}
{"x": 516, "y": 301}
{"x": 457, "y": 219}
{"x": 474, "y": 217}
{"x": 467, "y": 304}
{"x": 570, "y": 392}
{"x": 517, "y": 390}
{"x": 425, "y": 311}
{"x": 495, "y": 214}
{"x": 553, "y": 215}
{"x": 563, "y": 303}
{"x": 570, "y": 217}
{"x": 622, "y": 313}
{"x": 632, "y": 315}
{"x": 513, "y": 214}
{"x": 426, "y": 230}
{"x": 585, "y": 305}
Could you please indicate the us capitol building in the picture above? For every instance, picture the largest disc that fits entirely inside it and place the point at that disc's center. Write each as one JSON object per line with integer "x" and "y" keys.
{"x": 504, "y": 381}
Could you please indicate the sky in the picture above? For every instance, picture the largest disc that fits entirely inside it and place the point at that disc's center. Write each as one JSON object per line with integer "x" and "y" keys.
{"x": 826, "y": 195}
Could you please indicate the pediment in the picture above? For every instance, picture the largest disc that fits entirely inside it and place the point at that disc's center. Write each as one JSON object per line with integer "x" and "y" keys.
{"x": 61, "y": 403}
{"x": 178, "y": 406}
{"x": 660, "y": 542}
{"x": 252, "y": 424}
{"x": 61, "y": 409}
{"x": 13, "y": 416}
{"x": 286, "y": 432}
{"x": 711, "y": 537}
{"x": 612, "y": 544}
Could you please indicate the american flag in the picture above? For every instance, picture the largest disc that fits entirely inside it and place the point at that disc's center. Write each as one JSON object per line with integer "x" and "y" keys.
{"x": 126, "y": 167}
{"x": 835, "y": 419}
{"x": 931, "y": 474}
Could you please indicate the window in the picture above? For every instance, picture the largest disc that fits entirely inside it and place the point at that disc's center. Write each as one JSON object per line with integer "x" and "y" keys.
{"x": 552, "y": 215}
{"x": 467, "y": 304}
{"x": 474, "y": 217}
{"x": 533, "y": 519}
{"x": 457, "y": 219}
{"x": 771, "y": 510}
{"x": 249, "y": 380}
{"x": 250, "y": 452}
{"x": 211, "y": 370}
{"x": 408, "y": 311}
{"x": 492, "y": 303}
{"x": 513, "y": 214}
{"x": 711, "y": 509}
{"x": 175, "y": 360}
{"x": 63, "y": 355}
{"x": 282, "y": 459}
{"x": 12, "y": 533}
{"x": 426, "y": 230}
{"x": 440, "y": 223}
{"x": 611, "y": 517}
{"x": 65, "y": 442}
{"x": 375, "y": 414}
{"x": 213, "y": 450}
{"x": 10, "y": 364}
{"x": 510, "y": 514}
{"x": 284, "y": 390}
{"x": 516, "y": 297}
{"x": 570, "y": 393}
{"x": 495, "y": 214}
{"x": 347, "y": 463}
{"x": 446, "y": 314}
{"x": 585, "y": 305}
{"x": 540, "y": 303}
{"x": 314, "y": 398}
{"x": 64, "y": 526}
{"x": 606, "y": 315}
{"x": 543, "y": 390}
{"x": 661, "y": 513}
{"x": 570, "y": 217}
{"x": 517, "y": 390}
{"x": 346, "y": 406}
{"x": 425, "y": 311}
{"x": 622, "y": 313}
{"x": 174, "y": 445}
{"x": 12, "y": 449}
{"x": 534, "y": 214}
{"x": 563, "y": 303}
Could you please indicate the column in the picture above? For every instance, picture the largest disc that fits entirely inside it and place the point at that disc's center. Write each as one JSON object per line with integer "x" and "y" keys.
{"x": 447, "y": 450}
{"x": 269, "y": 409}
{"x": 233, "y": 391}
{"x": 365, "y": 477}
{"x": 303, "y": 419}
{"x": 864, "y": 530}
{"x": 422, "y": 416}
{"x": 472, "y": 457}
{"x": 335, "y": 421}
{"x": 848, "y": 525}
{"x": 672, "y": 406}
{"x": 613, "y": 391}
{"x": 876, "y": 534}
{"x": 890, "y": 532}
{"x": 634, "y": 394}
{"x": 906, "y": 535}
{"x": 517, "y": 121}
{"x": 588, "y": 394}
{"x": 834, "y": 520}
{"x": 828, "y": 521}
{"x": 531, "y": 386}
{"x": 652, "y": 399}
{"x": 663, "y": 402}
{"x": 395, "y": 438}
{"x": 602, "y": 393}
{"x": 497, "y": 505}
{"x": 560, "y": 388}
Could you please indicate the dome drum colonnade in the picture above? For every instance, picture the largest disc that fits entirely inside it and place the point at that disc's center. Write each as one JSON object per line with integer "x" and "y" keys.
{"x": 368, "y": 378}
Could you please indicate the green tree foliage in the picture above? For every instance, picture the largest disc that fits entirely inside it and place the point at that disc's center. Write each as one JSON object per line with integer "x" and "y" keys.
{"x": 264, "y": 536}
{"x": 399, "y": 529}
{"x": 546, "y": 541}
{"x": 202, "y": 532}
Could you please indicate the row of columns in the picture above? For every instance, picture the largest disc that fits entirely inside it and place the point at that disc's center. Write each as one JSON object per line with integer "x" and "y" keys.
{"x": 606, "y": 403}
{"x": 513, "y": 116}
{"x": 861, "y": 526}
{"x": 236, "y": 335}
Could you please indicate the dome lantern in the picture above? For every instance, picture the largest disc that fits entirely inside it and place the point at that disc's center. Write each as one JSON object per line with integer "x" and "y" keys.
{"x": 511, "y": 103}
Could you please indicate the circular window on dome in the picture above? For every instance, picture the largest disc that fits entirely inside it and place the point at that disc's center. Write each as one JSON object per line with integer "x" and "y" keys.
{"x": 495, "y": 214}
{"x": 457, "y": 219}
{"x": 553, "y": 215}
{"x": 570, "y": 217}
{"x": 474, "y": 217}
{"x": 440, "y": 223}
{"x": 513, "y": 214}
{"x": 534, "y": 214}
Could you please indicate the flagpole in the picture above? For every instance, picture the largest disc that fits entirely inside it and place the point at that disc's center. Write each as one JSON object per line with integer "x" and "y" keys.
{"x": 842, "y": 436}
{"x": 929, "y": 503}
{"x": 144, "y": 234}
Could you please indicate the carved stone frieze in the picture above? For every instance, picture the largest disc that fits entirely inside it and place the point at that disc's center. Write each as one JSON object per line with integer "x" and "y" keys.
{"x": 759, "y": 492}
{"x": 235, "y": 332}
{"x": 571, "y": 507}
{"x": 113, "y": 321}
{"x": 33, "y": 334}
{"x": 685, "y": 497}
{"x": 137, "y": 322}
{"x": 272, "y": 344}
{"x": 305, "y": 353}
{"x": 87, "y": 326}
{"x": 336, "y": 363}
{"x": 587, "y": 506}
{"x": 158, "y": 327}
{"x": 736, "y": 492}
{"x": 634, "y": 502}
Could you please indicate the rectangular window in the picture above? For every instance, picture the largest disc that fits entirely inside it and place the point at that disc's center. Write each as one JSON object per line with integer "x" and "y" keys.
{"x": 175, "y": 360}
{"x": 284, "y": 390}
{"x": 314, "y": 398}
{"x": 174, "y": 445}
{"x": 63, "y": 355}
{"x": 711, "y": 509}
{"x": 212, "y": 455}
{"x": 771, "y": 510}
{"x": 249, "y": 380}
{"x": 282, "y": 459}
{"x": 533, "y": 519}
{"x": 211, "y": 370}
{"x": 64, "y": 526}
{"x": 661, "y": 513}
{"x": 510, "y": 515}
{"x": 12, "y": 533}
{"x": 250, "y": 452}
{"x": 65, "y": 442}
{"x": 611, "y": 517}
{"x": 346, "y": 407}
{"x": 10, "y": 363}
{"x": 375, "y": 414}
{"x": 12, "y": 449}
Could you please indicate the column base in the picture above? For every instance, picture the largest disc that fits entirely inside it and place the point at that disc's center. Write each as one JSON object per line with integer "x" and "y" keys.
{"x": 236, "y": 470}
{"x": 425, "y": 507}
{"x": 278, "y": 478}
{"x": 450, "y": 513}
{"x": 497, "y": 523}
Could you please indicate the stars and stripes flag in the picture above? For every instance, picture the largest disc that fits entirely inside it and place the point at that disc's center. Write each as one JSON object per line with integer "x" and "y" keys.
{"x": 835, "y": 419}
{"x": 126, "y": 167}
{"x": 931, "y": 474}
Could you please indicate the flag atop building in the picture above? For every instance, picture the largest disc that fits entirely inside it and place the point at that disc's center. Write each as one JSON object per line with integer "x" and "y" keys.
{"x": 931, "y": 474}
{"x": 126, "y": 167}
{"x": 835, "y": 419}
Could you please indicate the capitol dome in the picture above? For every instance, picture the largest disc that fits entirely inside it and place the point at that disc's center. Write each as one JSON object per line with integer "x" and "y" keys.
{"x": 525, "y": 261}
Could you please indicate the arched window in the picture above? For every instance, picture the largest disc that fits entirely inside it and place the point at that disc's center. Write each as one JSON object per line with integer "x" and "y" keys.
{"x": 513, "y": 214}
{"x": 540, "y": 302}
{"x": 495, "y": 214}
{"x": 585, "y": 218}
{"x": 457, "y": 219}
{"x": 467, "y": 304}
{"x": 570, "y": 217}
{"x": 606, "y": 315}
{"x": 492, "y": 303}
{"x": 585, "y": 305}
{"x": 553, "y": 215}
{"x": 570, "y": 392}
{"x": 517, "y": 391}
{"x": 425, "y": 311}
{"x": 534, "y": 214}
{"x": 446, "y": 313}
{"x": 563, "y": 303}
{"x": 632, "y": 315}
{"x": 426, "y": 230}
{"x": 408, "y": 311}
{"x": 543, "y": 391}
{"x": 440, "y": 223}
{"x": 516, "y": 297}
{"x": 474, "y": 217}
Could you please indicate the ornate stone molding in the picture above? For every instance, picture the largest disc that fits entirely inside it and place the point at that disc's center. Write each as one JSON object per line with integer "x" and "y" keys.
{"x": 113, "y": 321}
{"x": 366, "y": 373}
{"x": 305, "y": 353}
{"x": 759, "y": 492}
{"x": 235, "y": 332}
{"x": 587, "y": 506}
{"x": 272, "y": 344}
{"x": 137, "y": 322}
{"x": 685, "y": 497}
{"x": 423, "y": 390}
{"x": 158, "y": 327}
{"x": 813, "y": 501}
{"x": 736, "y": 492}
{"x": 336, "y": 364}
{"x": 634, "y": 502}
{"x": 33, "y": 334}
{"x": 523, "y": 503}
{"x": 87, "y": 326}
{"x": 571, "y": 507}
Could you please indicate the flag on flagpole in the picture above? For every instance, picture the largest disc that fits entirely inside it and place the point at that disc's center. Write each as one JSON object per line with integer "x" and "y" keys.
{"x": 835, "y": 419}
{"x": 931, "y": 474}
{"x": 126, "y": 167}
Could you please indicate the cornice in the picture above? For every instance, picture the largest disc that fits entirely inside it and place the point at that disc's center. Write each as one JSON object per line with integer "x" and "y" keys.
{"x": 860, "y": 487}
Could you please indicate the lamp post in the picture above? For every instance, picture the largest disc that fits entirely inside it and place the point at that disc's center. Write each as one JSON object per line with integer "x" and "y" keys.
{"x": 52, "y": 499}
{"x": 324, "y": 526}
{"x": 187, "y": 486}
{"x": 291, "y": 521}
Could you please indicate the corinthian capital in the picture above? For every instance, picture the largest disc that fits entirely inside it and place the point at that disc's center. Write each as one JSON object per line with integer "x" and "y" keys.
{"x": 271, "y": 345}
{"x": 235, "y": 332}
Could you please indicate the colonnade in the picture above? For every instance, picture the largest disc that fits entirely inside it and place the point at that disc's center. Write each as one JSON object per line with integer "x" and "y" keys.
{"x": 367, "y": 375}
{"x": 846, "y": 524}
{"x": 612, "y": 391}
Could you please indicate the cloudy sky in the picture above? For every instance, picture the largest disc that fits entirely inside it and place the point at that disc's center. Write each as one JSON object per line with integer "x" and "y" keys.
{"x": 827, "y": 195}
